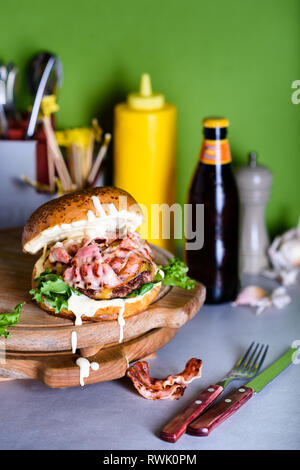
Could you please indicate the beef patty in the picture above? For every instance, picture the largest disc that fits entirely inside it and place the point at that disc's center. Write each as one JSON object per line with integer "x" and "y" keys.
{"x": 121, "y": 291}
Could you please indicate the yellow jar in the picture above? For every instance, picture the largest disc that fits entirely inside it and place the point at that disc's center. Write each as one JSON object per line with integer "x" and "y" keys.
{"x": 144, "y": 156}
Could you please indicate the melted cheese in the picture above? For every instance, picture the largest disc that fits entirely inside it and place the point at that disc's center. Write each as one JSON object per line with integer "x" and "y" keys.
{"x": 84, "y": 368}
{"x": 39, "y": 266}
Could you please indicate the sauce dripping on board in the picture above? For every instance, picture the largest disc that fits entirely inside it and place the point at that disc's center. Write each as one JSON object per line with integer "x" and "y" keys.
{"x": 84, "y": 368}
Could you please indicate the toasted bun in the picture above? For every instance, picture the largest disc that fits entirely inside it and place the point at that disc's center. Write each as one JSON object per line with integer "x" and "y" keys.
{"x": 88, "y": 213}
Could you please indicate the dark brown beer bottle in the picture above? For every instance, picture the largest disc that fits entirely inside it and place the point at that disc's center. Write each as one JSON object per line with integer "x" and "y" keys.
{"x": 214, "y": 186}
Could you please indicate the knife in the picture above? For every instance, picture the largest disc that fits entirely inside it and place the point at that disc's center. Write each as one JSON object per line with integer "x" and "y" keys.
{"x": 232, "y": 402}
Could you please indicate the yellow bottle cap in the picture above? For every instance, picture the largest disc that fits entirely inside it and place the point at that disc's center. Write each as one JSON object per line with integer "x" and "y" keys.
{"x": 214, "y": 122}
{"x": 145, "y": 99}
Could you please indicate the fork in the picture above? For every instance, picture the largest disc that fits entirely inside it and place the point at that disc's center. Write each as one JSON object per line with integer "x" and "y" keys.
{"x": 245, "y": 368}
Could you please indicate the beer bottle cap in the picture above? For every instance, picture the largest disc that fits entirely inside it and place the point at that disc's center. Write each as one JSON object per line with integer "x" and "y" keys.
{"x": 214, "y": 122}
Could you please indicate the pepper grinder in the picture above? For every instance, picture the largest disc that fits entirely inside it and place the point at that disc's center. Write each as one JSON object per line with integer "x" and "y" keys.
{"x": 254, "y": 183}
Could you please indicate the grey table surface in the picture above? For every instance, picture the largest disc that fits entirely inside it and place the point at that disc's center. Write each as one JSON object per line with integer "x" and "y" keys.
{"x": 110, "y": 416}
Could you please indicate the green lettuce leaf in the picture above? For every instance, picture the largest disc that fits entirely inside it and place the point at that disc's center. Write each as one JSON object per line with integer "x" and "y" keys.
{"x": 52, "y": 288}
{"x": 10, "y": 319}
{"x": 175, "y": 274}
{"x": 142, "y": 290}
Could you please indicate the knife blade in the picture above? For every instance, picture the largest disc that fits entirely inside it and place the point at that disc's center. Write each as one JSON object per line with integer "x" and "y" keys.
{"x": 232, "y": 402}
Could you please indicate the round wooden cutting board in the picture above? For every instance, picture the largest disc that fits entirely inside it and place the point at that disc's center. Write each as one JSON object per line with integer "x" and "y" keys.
{"x": 40, "y": 344}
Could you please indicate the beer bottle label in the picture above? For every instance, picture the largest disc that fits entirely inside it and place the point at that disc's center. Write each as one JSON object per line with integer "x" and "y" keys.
{"x": 215, "y": 152}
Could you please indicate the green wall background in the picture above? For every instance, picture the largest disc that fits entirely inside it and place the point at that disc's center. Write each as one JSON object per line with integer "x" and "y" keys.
{"x": 231, "y": 58}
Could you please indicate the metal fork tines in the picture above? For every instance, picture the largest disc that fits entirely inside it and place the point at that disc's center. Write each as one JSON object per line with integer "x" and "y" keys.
{"x": 249, "y": 364}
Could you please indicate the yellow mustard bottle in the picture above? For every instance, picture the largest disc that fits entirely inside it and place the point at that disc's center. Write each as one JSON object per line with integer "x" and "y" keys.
{"x": 144, "y": 157}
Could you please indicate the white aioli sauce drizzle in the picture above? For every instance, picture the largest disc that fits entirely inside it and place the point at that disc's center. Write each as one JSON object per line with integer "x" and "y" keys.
{"x": 97, "y": 225}
{"x": 81, "y": 305}
{"x": 84, "y": 368}
{"x": 90, "y": 215}
{"x": 74, "y": 341}
{"x": 113, "y": 210}
{"x": 98, "y": 206}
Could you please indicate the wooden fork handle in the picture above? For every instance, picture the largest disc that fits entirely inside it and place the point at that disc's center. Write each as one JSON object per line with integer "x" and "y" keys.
{"x": 221, "y": 411}
{"x": 175, "y": 428}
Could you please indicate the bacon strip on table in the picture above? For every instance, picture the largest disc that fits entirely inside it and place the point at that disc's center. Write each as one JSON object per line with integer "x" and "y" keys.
{"x": 172, "y": 387}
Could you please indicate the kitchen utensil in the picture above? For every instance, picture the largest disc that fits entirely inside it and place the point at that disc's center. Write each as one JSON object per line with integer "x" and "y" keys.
{"x": 246, "y": 367}
{"x": 3, "y": 118}
{"x": 232, "y": 402}
{"x": 35, "y": 71}
{"x": 10, "y": 105}
{"x": 39, "y": 96}
{"x": 45, "y": 75}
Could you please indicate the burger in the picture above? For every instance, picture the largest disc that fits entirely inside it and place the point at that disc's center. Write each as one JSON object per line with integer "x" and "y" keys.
{"x": 94, "y": 265}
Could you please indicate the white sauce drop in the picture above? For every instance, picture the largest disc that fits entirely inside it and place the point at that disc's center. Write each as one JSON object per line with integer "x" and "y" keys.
{"x": 74, "y": 341}
{"x": 84, "y": 368}
{"x": 121, "y": 321}
{"x": 94, "y": 365}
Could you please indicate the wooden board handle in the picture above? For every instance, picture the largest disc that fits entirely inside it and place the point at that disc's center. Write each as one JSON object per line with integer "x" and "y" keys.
{"x": 221, "y": 411}
{"x": 177, "y": 427}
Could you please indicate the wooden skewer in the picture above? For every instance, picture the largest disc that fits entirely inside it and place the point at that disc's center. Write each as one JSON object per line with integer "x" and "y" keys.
{"x": 45, "y": 188}
{"x": 89, "y": 158}
{"x": 51, "y": 167}
{"x": 75, "y": 155}
{"x": 56, "y": 154}
{"x": 101, "y": 154}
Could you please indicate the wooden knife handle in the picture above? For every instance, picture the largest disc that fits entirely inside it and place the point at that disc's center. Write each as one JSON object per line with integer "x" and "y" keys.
{"x": 221, "y": 411}
{"x": 175, "y": 428}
